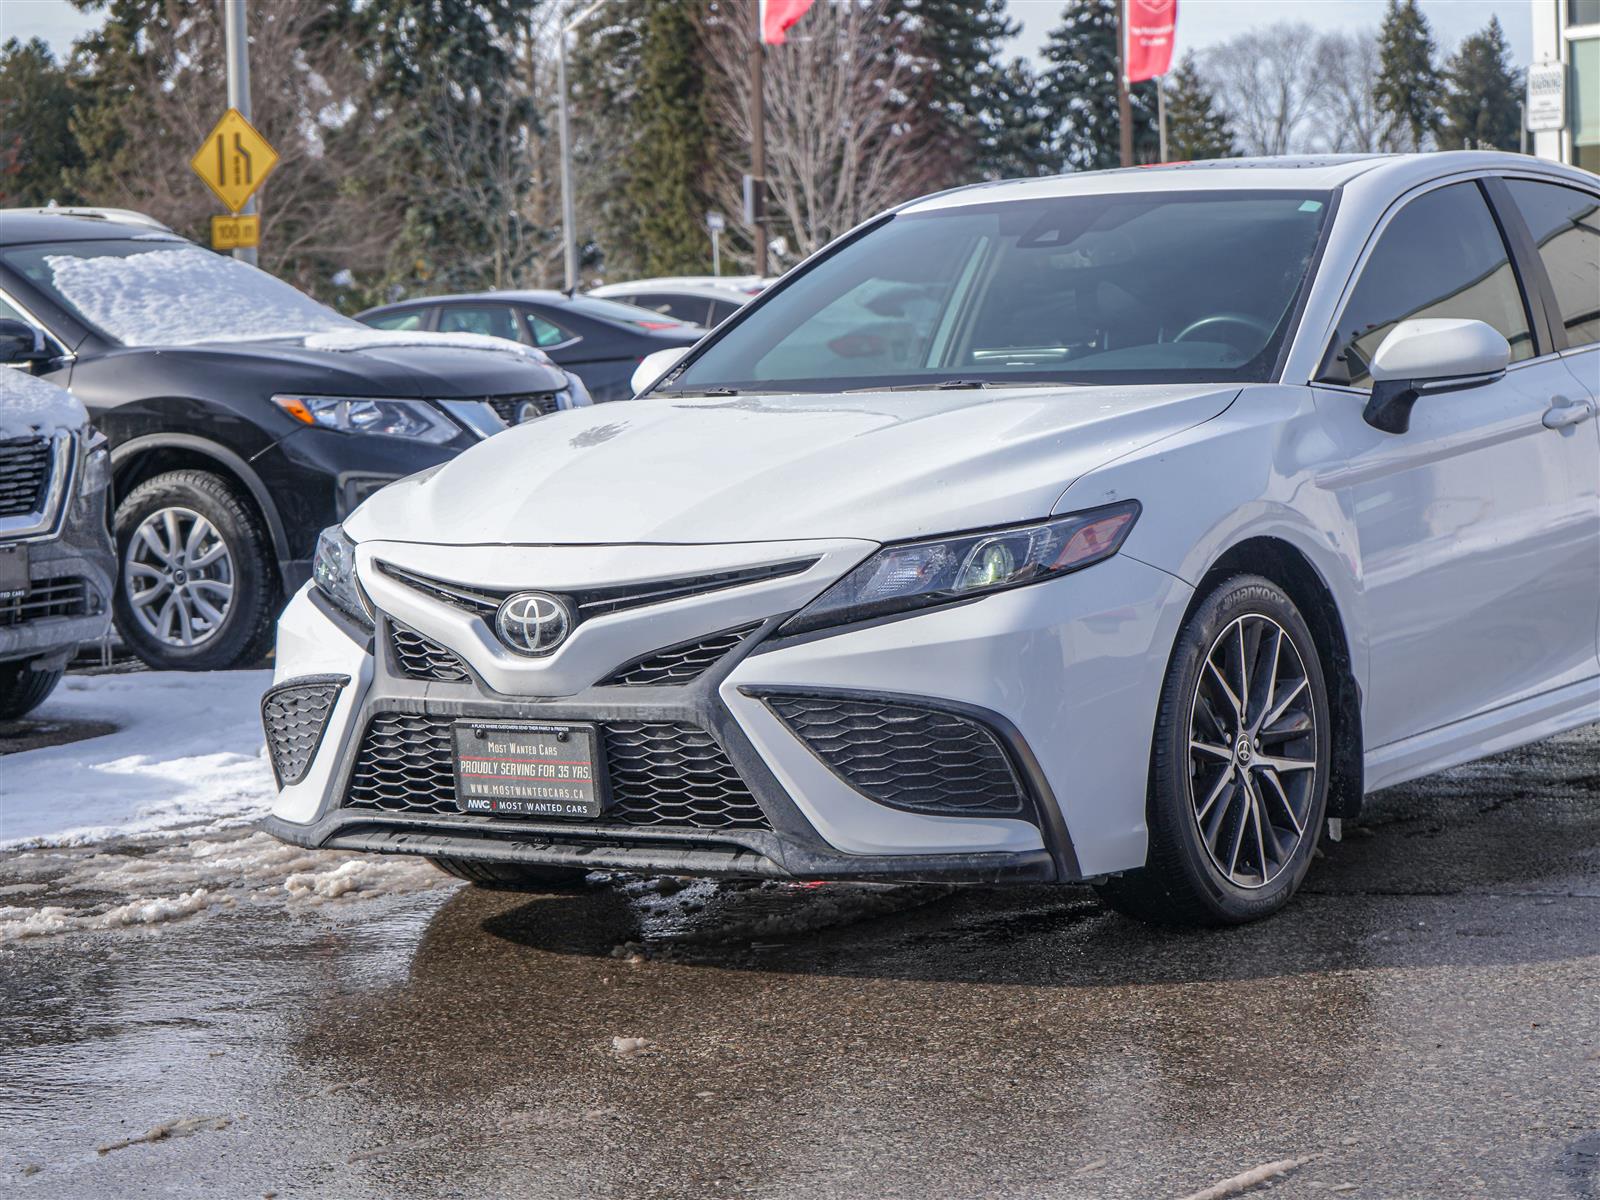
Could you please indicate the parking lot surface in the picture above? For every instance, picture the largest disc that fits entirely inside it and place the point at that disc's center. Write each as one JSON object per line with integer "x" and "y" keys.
{"x": 1424, "y": 1021}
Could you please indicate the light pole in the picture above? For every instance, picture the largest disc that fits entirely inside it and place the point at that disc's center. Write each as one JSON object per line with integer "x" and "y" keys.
{"x": 569, "y": 232}
{"x": 237, "y": 45}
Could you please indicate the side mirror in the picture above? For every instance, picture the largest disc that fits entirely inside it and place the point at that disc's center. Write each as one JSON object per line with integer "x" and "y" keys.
{"x": 1428, "y": 355}
{"x": 21, "y": 345}
{"x": 653, "y": 366}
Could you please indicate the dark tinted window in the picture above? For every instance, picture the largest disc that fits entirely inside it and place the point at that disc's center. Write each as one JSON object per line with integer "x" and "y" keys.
{"x": 1565, "y": 224}
{"x": 1138, "y": 287}
{"x": 544, "y": 331}
{"x": 681, "y": 308}
{"x": 1441, "y": 256}
{"x": 495, "y": 320}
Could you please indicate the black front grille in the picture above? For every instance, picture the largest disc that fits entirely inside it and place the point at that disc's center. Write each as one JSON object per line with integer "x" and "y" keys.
{"x": 680, "y": 664}
{"x": 24, "y": 475}
{"x": 294, "y": 717}
{"x": 917, "y": 759}
{"x": 67, "y": 597}
{"x": 418, "y": 657}
{"x": 513, "y": 410}
{"x": 661, "y": 774}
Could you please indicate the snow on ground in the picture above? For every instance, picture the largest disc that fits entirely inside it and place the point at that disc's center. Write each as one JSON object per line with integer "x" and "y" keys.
{"x": 188, "y": 754}
{"x": 185, "y": 295}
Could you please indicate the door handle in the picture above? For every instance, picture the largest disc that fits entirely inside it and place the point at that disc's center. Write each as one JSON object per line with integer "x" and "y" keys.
{"x": 1563, "y": 412}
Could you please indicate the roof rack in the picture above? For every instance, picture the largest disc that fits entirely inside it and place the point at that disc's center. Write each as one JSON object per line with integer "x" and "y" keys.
{"x": 124, "y": 215}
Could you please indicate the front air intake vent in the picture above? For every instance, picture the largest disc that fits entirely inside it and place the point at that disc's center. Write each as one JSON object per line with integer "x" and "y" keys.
{"x": 24, "y": 475}
{"x": 680, "y": 664}
{"x": 908, "y": 757}
{"x": 295, "y": 717}
{"x": 418, "y": 657}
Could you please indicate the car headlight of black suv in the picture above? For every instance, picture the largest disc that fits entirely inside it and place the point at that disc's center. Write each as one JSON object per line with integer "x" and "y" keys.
{"x": 416, "y": 419}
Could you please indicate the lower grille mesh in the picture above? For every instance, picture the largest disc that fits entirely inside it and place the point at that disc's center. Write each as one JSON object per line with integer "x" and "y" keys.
{"x": 46, "y": 598}
{"x": 294, "y": 717}
{"x": 662, "y": 773}
{"x": 917, "y": 759}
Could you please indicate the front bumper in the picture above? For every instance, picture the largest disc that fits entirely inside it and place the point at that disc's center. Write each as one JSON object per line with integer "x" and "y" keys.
{"x": 1049, "y": 688}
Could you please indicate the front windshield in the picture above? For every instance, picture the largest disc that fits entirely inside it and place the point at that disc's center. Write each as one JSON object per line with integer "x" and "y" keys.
{"x": 160, "y": 292}
{"x": 1129, "y": 288}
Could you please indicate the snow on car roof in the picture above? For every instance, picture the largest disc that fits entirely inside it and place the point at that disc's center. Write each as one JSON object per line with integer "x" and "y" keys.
{"x": 184, "y": 296}
{"x": 28, "y": 404}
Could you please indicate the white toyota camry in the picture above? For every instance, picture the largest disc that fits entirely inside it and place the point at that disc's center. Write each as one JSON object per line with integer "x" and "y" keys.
{"x": 1124, "y": 527}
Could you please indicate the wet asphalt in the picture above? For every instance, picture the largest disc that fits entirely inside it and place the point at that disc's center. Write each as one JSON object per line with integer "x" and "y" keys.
{"x": 1423, "y": 1022}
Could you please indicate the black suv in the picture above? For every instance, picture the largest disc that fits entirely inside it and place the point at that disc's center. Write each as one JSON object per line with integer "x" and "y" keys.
{"x": 243, "y": 416}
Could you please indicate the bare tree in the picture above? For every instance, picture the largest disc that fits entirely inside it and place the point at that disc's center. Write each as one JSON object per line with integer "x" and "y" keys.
{"x": 1347, "y": 113}
{"x": 1269, "y": 83}
{"x": 844, "y": 138}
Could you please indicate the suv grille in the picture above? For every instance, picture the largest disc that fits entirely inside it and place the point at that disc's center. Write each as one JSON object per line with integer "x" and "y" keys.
{"x": 47, "y": 598}
{"x": 423, "y": 658}
{"x": 911, "y": 758}
{"x": 679, "y": 664}
{"x": 661, "y": 773}
{"x": 294, "y": 717}
{"x": 531, "y": 406}
{"x": 24, "y": 475}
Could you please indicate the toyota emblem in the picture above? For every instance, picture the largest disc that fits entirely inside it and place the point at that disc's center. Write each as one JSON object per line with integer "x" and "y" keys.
{"x": 533, "y": 622}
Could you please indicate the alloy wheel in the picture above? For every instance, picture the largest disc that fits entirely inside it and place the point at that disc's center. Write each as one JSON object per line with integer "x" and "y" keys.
{"x": 179, "y": 576}
{"x": 1252, "y": 751}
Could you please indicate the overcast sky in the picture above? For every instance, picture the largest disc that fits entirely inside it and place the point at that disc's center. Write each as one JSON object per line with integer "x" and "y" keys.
{"x": 1200, "y": 22}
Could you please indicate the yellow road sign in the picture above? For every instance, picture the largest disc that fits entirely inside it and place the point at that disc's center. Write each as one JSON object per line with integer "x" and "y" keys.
{"x": 235, "y": 233}
{"x": 234, "y": 159}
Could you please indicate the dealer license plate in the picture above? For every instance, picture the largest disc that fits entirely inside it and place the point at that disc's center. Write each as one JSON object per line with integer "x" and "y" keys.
{"x": 13, "y": 571}
{"x": 524, "y": 769}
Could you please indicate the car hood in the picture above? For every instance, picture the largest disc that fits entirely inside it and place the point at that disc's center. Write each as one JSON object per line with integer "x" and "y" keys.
{"x": 30, "y": 406}
{"x": 361, "y": 366}
{"x": 883, "y": 466}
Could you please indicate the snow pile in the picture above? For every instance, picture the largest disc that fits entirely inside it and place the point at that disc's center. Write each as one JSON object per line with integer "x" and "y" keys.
{"x": 188, "y": 754}
{"x": 28, "y": 404}
{"x": 186, "y": 295}
{"x": 362, "y": 338}
{"x": 172, "y": 879}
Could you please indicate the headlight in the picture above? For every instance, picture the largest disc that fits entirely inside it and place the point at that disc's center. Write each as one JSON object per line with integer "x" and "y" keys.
{"x": 393, "y": 418}
{"x": 333, "y": 570}
{"x": 96, "y": 466}
{"x": 918, "y": 574}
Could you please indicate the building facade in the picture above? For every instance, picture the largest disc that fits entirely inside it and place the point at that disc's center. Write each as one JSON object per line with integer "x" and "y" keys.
{"x": 1568, "y": 32}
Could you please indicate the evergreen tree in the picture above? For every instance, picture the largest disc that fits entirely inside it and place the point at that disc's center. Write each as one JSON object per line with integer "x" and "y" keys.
{"x": 37, "y": 146}
{"x": 1080, "y": 91}
{"x": 1483, "y": 89}
{"x": 1017, "y": 142}
{"x": 1197, "y": 128}
{"x": 1408, "y": 88}
{"x": 971, "y": 95}
{"x": 667, "y": 169}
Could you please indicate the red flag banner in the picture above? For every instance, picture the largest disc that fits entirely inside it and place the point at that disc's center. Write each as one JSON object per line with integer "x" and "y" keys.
{"x": 777, "y": 16}
{"x": 1151, "y": 24}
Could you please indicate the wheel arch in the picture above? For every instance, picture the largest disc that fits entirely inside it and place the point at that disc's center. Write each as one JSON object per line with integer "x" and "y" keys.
{"x": 142, "y": 458}
{"x": 1287, "y": 566}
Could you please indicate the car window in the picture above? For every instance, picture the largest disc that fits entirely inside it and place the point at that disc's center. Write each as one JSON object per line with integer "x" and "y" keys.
{"x": 721, "y": 310}
{"x": 1565, "y": 224}
{"x": 617, "y": 312}
{"x": 1441, "y": 256}
{"x": 412, "y": 318}
{"x": 681, "y": 308}
{"x": 491, "y": 320}
{"x": 545, "y": 332}
{"x": 1139, "y": 287}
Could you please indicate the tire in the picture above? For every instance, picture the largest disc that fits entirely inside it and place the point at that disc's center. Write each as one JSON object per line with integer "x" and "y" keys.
{"x": 513, "y": 877}
{"x": 1223, "y": 852}
{"x": 23, "y": 689}
{"x": 175, "y": 505}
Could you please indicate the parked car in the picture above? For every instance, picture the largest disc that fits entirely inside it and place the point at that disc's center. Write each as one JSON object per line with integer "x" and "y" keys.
{"x": 56, "y": 559}
{"x": 243, "y": 416}
{"x": 601, "y": 341}
{"x": 706, "y": 304}
{"x": 1158, "y": 516}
